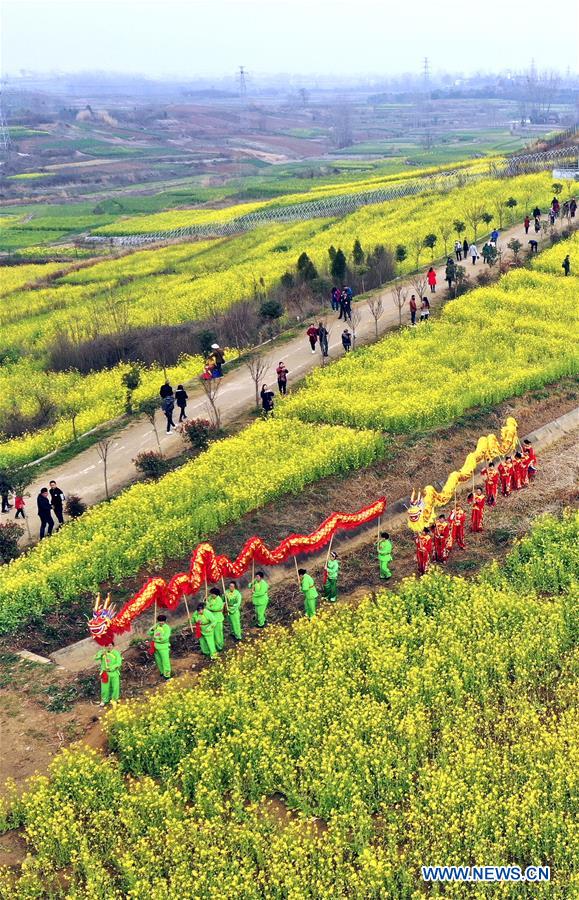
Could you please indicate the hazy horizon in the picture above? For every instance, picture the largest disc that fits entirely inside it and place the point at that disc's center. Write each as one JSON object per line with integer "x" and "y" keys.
{"x": 205, "y": 40}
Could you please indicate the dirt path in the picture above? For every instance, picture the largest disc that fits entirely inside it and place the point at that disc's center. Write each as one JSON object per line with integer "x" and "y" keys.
{"x": 83, "y": 474}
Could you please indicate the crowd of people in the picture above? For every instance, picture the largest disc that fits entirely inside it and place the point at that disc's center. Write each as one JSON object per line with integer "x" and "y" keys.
{"x": 49, "y": 500}
{"x": 513, "y": 473}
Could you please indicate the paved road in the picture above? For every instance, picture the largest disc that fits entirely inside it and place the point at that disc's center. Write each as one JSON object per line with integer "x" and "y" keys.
{"x": 83, "y": 475}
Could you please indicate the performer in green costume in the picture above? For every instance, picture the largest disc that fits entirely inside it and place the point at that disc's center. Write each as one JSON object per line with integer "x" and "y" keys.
{"x": 206, "y": 621}
{"x": 309, "y": 591}
{"x": 233, "y": 602}
{"x": 259, "y": 597}
{"x": 110, "y": 661}
{"x": 385, "y": 554}
{"x": 160, "y": 635}
{"x": 332, "y": 570}
{"x": 215, "y": 605}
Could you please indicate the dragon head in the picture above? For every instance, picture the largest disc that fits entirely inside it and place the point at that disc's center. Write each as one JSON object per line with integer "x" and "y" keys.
{"x": 416, "y": 508}
{"x": 103, "y": 614}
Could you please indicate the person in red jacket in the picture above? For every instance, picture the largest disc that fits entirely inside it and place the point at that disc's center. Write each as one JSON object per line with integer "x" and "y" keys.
{"x": 457, "y": 520}
{"x": 441, "y": 539}
{"x": 477, "y": 501}
{"x": 505, "y": 469}
{"x": 491, "y": 479}
{"x": 312, "y": 334}
{"x": 517, "y": 472}
{"x": 431, "y": 276}
{"x": 532, "y": 465}
{"x": 423, "y": 550}
{"x": 413, "y": 308}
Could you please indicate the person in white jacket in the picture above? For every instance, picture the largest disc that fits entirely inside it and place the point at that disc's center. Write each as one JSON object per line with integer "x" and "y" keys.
{"x": 474, "y": 254}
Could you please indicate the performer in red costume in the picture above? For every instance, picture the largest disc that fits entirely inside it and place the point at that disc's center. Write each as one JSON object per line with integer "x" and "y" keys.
{"x": 441, "y": 539}
{"x": 517, "y": 472}
{"x": 423, "y": 550}
{"x": 491, "y": 478}
{"x": 457, "y": 520}
{"x": 505, "y": 469}
{"x": 477, "y": 501}
{"x": 529, "y": 451}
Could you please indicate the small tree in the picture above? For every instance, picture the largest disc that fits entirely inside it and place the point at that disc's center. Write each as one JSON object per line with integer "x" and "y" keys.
{"x": 211, "y": 388}
{"x": 487, "y": 218}
{"x": 103, "y": 449}
{"x": 511, "y": 204}
{"x": 332, "y": 253}
{"x": 417, "y": 245}
{"x": 376, "y": 307}
{"x": 257, "y": 366}
{"x": 399, "y": 297}
{"x": 10, "y": 534}
{"x": 70, "y": 410}
{"x": 445, "y": 232}
{"x": 358, "y": 255}
{"x": 473, "y": 213}
{"x": 419, "y": 282}
{"x": 151, "y": 464}
{"x": 356, "y": 319}
{"x": 515, "y": 246}
{"x": 499, "y": 207}
{"x": 131, "y": 381}
{"x": 461, "y": 282}
{"x": 400, "y": 253}
{"x": 271, "y": 309}
{"x": 338, "y": 267}
{"x": 557, "y": 188}
{"x": 306, "y": 269}
{"x": 75, "y": 507}
{"x": 430, "y": 243}
{"x": 459, "y": 227}
{"x": 149, "y": 409}
{"x": 197, "y": 432}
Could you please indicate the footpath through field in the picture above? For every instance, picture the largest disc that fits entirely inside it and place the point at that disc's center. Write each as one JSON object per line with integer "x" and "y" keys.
{"x": 83, "y": 475}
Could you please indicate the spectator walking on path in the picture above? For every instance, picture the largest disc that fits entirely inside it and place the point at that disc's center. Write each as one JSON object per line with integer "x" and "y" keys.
{"x": 44, "y": 513}
{"x": 181, "y": 398}
{"x": 566, "y": 265}
{"x": 346, "y": 304}
{"x": 474, "y": 254}
{"x": 323, "y": 338}
{"x": 465, "y": 249}
{"x": 267, "y": 400}
{"x": 495, "y": 236}
{"x": 450, "y": 272}
{"x": 57, "y": 499}
{"x": 534, "y": 245}
{"x": 458, "y": 251}
{"x": 431, "y": 277}
{"x": 537, "y": 224}
{"x": 19, "y": 505}
{"x": 282, "y": 374}
{"x": 166, "y": 390}
{"x": 425, "y": 309}
{"x": 346, "y": 340}
{"x": 168, "y": 405}
{"x": 5, "y": 489}
{"x": 336, "y": 298}
{"x": 218, "y": 360}
{"x": 536, "y": 213}
{"x": 527, "y": 223}
{"x": 413, "y": 308}
{"x": 572, "y": 207}
{"x": 312, "y": 334}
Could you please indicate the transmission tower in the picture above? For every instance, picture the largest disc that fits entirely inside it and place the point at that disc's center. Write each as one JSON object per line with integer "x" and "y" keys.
{"x": 426, "y": 111}
{"x": 426, "y": 75}
{"x": 5, "y": 140}
{"x": 242, "y": 82}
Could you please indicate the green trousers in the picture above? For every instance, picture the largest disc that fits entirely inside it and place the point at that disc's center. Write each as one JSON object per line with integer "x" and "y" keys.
{"x": 385, "y": 568}
{"x": 235, "y": 623}
{"x": 162, "y": 658}
{"x": 331, "y": 590}
{"x": 310, "y": 606}
{"x": 218, "y": 635}
{"x": 111, "y": 689}
{"x": 260, "y": 613}
{"x": 207, "y": 645}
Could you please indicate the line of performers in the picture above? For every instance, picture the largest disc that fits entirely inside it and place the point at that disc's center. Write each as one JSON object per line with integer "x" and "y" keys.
{"x": 513, "y": 473}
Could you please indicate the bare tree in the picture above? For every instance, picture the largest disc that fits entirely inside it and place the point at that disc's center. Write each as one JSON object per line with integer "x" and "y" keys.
{"x": 211, "y": 389}
{"x": 399, "y": 297}
{"x": 376, "y": 306}
{"x": 417, "y": 247}
{"x": 445, "y": 232}
{"x": 473, "y": 213}
{"x": 355, "y": 320}
{"x": 70, "y": 410}
{"x": 103, "y": 448}
{"x": 257, "y": 366}
{"x": 149, "y": 409}
{"x": 419, "y": 283}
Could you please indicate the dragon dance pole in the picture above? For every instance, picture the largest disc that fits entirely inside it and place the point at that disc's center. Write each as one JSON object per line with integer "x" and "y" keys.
{"x": 188, "y": 613}
{"x": 224, "y": 594}
{"x": 297, "y": 573}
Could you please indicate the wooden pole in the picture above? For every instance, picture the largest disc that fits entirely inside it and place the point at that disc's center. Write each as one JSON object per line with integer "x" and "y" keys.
{"x": 224, "y": 594}
{"x": 329, "y": 550}
{"x": 206, "y": 589}
{"x": 188, "y": 613}
{"x": 379, "y": 529}
{"x": 297, "y": 573}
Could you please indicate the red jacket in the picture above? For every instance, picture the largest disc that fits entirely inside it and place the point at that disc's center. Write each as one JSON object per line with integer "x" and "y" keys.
{"x": 431, "y": 278}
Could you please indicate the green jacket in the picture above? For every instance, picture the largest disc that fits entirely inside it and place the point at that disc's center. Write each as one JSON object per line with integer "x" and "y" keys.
{"x": 233, "y": 600}
{"x": 385, "y": 549}
{"x": 160, "y": 633}
{"x": 215, "y": 605}
{"x": 333, "y": 568}
{"x": 308, "y": 587}
{"x": 110, "y": 659}
{"x": 260, "y": 592}
{"x": 207, "y": 621}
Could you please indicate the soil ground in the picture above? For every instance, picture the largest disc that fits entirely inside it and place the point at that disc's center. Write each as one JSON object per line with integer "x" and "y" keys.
{"x": 45, "y": 708}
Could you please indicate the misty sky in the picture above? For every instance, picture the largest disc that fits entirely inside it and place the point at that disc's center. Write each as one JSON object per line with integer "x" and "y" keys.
{"x": 213, "y": 37}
